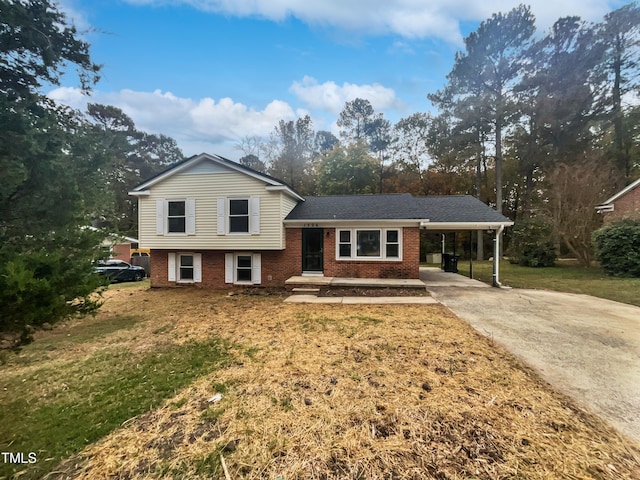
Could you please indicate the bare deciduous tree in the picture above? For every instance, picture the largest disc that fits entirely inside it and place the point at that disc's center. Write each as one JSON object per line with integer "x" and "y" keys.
{"x": 573, "y": 192}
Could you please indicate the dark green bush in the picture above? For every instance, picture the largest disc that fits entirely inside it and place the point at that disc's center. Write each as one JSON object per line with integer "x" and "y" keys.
{"x": 617, "y": 248}
{"x": 47, "y": 279}
{"x": 531, "y": 244}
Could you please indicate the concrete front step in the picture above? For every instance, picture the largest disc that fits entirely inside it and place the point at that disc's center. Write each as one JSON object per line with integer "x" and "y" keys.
{"x": 362, "y": 300}
{"x": 318, "y": 282}
{"x": 305, "y": 290}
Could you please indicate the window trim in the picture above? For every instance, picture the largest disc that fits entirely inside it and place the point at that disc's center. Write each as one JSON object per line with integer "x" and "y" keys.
{"x": 236, "y": 268}
{"x": 231, "y": 268}
{"x": 179, "y": 268}
{"x": 387, "y": 243}
{"x": 229, "y": 216}
{"x": 174, "y": 265}
{"x": 353, "y": 235}
{"x": 167, "y": 217}
{"x": 162, "y": 216}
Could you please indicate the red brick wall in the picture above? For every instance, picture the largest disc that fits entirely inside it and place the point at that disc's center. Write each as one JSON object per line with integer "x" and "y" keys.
{"x": 159, "y": 268}
{"x": 627, "y": 206}
{"x": 282, "y": 264}
{"x": 277, "y": 266}
{"x": 121, "y": 251}
{"x": 409, "y": 267}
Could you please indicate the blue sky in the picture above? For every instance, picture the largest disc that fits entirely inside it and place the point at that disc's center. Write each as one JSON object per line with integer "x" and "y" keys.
{"x": 210, "y": 72}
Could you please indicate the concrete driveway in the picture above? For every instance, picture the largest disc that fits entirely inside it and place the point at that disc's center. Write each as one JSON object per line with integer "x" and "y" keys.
{"x": 586, "y": 347}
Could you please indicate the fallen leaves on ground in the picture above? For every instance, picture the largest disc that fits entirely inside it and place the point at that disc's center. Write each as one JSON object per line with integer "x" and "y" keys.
{"x": 346, "y": 392}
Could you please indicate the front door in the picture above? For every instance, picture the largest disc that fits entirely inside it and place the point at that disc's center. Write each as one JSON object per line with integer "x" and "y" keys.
{"x": 312, "y": 248}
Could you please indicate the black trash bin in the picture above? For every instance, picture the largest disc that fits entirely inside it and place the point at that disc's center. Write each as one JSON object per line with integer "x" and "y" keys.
{"x": 450, "y": 262}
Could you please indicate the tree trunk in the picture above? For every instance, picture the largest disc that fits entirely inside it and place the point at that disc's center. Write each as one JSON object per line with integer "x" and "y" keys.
{"x": 622, "y": 161}
{"x": 498, "y": 165}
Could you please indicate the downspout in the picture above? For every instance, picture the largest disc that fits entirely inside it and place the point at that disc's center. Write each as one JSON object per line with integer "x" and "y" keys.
{"x": 496, "y": 256}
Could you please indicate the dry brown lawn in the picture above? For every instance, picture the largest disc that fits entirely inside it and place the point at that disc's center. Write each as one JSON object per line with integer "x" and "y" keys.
{"x": 345, "y": 392}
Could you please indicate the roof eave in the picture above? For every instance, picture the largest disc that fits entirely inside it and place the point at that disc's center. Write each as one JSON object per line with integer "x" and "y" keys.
{"x": 351, "y": 221}
{"x": 621, "y": 193}
{"x": 287, "y": 190}
{"x": 466, "y": 225}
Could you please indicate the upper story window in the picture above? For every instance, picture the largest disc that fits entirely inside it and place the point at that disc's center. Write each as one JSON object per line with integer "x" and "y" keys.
{"x": 239, "y": 215}
{"x": 369, "y": 244}
{"x": 177, "y": 217}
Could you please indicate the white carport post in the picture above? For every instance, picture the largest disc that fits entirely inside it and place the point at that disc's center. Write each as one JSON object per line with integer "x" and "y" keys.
{"x": 496, "y": 257}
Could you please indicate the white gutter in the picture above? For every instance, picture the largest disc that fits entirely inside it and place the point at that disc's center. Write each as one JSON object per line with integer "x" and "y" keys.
{"x": 496, "y": 257}
{"x": 409, "y": 222}
{"x": 464, "y": 225}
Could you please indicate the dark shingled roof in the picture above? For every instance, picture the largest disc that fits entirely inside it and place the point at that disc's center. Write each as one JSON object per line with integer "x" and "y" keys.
{"x": 448, "y": 208}
{"x": 458, "y": 208}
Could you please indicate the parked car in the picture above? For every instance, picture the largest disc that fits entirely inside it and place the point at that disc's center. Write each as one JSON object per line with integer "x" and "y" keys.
{"x": 119, "y": 271}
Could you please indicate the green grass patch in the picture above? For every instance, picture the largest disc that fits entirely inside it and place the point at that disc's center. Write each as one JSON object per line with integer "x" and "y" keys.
{"x": 564, "y": 277}
{"x": 83, "y": 330}
{"x": 56, "y": 412}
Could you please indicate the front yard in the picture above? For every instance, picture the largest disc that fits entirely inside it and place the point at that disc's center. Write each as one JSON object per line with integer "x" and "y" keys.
{"x": 307, "y": 391}
{"x": 566, "y": 276}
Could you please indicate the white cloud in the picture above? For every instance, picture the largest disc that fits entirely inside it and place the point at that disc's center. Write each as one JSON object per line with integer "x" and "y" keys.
{"x": 75, "y": 15}
{"x": 217, "y": 125}
{"x": 407, "y": 18}
{"x": 214, "y": 124}
{"x": 332, "y": 97}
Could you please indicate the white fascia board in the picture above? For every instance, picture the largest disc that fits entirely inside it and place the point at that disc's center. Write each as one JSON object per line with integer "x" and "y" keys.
{"x": 622, "y": 192}
{"x": 142, "y": 193}
{"x": 287, "y": 190}
{"x": 605, "y": 208}
{"x": 355, "y": 223}
{"x": 465, "y": 225}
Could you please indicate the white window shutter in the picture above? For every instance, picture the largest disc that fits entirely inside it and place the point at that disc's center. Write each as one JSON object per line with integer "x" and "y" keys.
{"x": 254, "y": 212}
{"x": 222, "y": 216}
{"x": 190, "y": 206}
{"x": 197, "y": 267}
{"x": 171, "y": 262}
{"x": 256, "y": 269}
{"x": 228, "y": 267}
{"x": 160, "y": 215}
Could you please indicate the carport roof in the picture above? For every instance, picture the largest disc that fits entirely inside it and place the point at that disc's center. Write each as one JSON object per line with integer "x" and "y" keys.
{"x": 445, "y": 209}
{"x": 459, "y": 209}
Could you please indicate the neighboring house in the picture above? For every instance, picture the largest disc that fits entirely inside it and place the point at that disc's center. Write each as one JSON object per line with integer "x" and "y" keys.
{"x": 623, "y": 205}
{"x": 119, "y": 247}
{"x": 214, "y": 222}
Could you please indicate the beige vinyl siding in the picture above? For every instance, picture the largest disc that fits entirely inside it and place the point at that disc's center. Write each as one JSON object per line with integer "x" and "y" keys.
{"x": 287, "y": 204}
{"x": 206, "y": 188}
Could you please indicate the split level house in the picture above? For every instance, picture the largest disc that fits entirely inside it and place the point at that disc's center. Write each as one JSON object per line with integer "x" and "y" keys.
{"x": 215, "y": 223}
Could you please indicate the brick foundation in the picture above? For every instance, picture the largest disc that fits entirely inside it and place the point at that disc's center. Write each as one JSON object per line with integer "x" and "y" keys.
{"x": 279, "y": 265}
{"x": 276, "y": 268}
